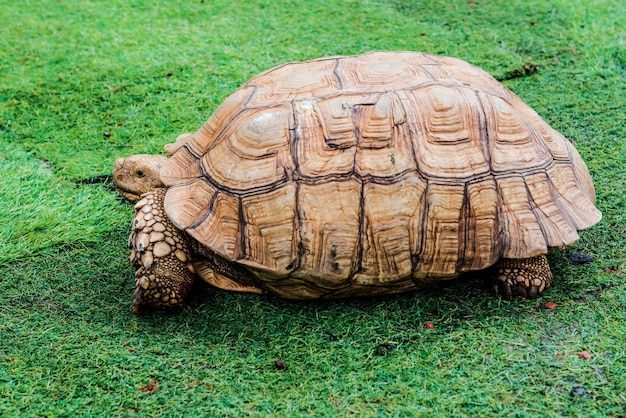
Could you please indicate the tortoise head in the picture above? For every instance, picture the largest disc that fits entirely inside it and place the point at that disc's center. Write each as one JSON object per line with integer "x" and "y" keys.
{"x": 138, "y": 174}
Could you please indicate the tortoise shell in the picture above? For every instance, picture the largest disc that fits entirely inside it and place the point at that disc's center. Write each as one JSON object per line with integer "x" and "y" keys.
{"x": 375, "y": 173}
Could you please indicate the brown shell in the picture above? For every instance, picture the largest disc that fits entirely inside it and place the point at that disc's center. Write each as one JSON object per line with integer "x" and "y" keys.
{"x": 376, "y": 173}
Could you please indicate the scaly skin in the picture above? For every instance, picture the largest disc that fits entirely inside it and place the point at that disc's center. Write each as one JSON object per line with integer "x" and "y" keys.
{"x": 523, "y": 277}
{"x": 161, "y": 255}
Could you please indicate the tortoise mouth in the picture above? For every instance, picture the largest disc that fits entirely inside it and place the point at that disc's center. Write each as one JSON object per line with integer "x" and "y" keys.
{"x": 129, "y": 195}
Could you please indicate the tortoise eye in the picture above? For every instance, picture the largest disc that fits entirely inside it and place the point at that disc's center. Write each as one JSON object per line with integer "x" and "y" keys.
{"x": 140, "y": 173}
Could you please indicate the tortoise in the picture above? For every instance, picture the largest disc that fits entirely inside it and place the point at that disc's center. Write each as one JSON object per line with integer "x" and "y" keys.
{"x": 357, "y": 175}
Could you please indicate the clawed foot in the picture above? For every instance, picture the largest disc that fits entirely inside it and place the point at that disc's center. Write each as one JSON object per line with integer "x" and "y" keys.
{"x": 524, "y": 277}
{"x": 158, "y": 289}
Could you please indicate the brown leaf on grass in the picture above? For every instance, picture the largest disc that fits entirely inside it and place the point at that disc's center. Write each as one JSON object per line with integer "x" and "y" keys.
{"x": 612, "y": 270}
{"x": 150, "y": 388}
{"x": 429, "y": 325}
{"x": 550, "y": 305}
{"x": 280, "y": 365}
{"x": 527, "y": 69}
{"x": 585, "y": 355}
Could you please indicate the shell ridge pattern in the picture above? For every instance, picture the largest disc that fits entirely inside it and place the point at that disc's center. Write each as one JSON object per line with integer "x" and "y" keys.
{"x": 204, "y": 215}
{"x": 523, "y": 233}
{"x": 515, "y": 223}
{"x": 357, "y": 265}
{"x": 338, "y": 76}
{"x": 464, "y": 249}
{"x": 535, "y": 210}
{"x": 361, "y": 147}
{"x": 571, "y": 204}
{"x": 242, "y": 232}
{"x": 253, "y": 151}
{"x": 421, "y": 247}
{"x": 564, "y": 209}
{"x": 498, "y": 234}
{"x": 241, "y": 193}
{"x": 450, "y": 122}
{"x": 558, "y": 226}
{"x": 510, "y": 137}
{"x": 191, "y": 151}
{"x": 208, "y": 179}
{"x": 300, "y": 248}
{"x": 355, "y": 132}
{"x": 484, "y": 132}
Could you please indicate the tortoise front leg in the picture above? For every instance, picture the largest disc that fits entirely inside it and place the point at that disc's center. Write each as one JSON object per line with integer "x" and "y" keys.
{"x": 160, "y": 254}
{"x": 524, "y": 277}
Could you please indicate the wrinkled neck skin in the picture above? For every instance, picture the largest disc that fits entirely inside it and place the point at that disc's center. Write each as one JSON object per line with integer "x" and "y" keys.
{"x": 138, "y": 174}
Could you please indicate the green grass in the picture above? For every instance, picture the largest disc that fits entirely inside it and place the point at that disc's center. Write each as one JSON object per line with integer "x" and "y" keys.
{"x": 144, "y": 72}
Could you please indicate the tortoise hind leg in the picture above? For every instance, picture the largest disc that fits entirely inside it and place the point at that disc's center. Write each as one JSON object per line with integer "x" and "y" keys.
{"x": 523, "y": 277}
{"x": 161, "y": 256}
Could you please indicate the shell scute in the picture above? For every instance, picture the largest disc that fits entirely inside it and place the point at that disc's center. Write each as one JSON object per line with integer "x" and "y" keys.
{"x": 441, "y": 237}
{"x": 458, "y": 72}
{"x": 220, "y": 227}
{"x": 181, "y": 168}
{"x": 375, "y": 72}
{"x": 295, "y": 81}
{"x": 384, "y": 147}
{"x": 204, "y": 138}
{"x": 252, "y": 152}
{"x": 270, "y": 230}
{"x": 391, "y": 224}
{"x": 450, "y": 136}
{"x": 571, "y": 197}
{"x": 480, "y": 226}
{"x": 558, "y": 229}
{"x": 329, "y": 220}
{"x": 519, "y": 221}
{"x": 318, "y": 152}
{"x": 514, "y": 145}
{"x": 186, "y": 203}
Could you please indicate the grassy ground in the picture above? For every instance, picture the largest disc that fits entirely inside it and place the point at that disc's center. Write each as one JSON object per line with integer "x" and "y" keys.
{"x": 84, "y": 82}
